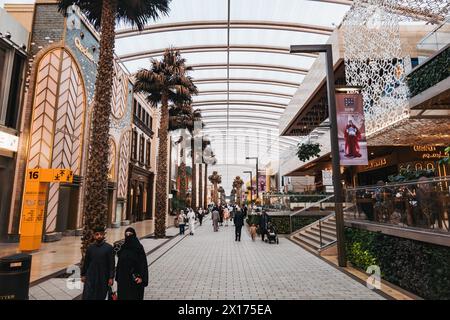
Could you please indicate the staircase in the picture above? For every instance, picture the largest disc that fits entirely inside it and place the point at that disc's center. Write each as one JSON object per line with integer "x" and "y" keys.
{"x": 317, "y": 236}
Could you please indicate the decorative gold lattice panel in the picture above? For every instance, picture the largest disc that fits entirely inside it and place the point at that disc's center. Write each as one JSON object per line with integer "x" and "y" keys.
{"x": 124, "y": 157}
{"x": 57, "y": 127}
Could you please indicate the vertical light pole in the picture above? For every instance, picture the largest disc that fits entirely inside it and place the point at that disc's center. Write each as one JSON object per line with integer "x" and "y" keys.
{"x": 257, "y": 176}
{"x": 338, "y": 199}
{"x": 251, "y": 188}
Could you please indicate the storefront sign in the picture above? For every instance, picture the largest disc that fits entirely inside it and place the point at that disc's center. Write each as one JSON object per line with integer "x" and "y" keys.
{"x": 351, "y": 129}
{"x": 9, "y": 142}
{"x": 84, "y": 50}
{"x": 34, "y": 202}
{"x": 327, "y": 177}
{"x": 430, "y": 152}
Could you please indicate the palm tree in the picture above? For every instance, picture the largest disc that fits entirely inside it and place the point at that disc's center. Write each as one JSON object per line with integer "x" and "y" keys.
{"x": 215, "y": 179}
{"x": 237, "y": 184}
{"x": 221, "y": 191}
{"x": 180, "y": 118}
{"x": 166, "y": 81}
{"x": 212, "y": 161}
{"x": 104, "y": 15}
{"x": 202, "y": 201}
{"x": 196, "y": 116}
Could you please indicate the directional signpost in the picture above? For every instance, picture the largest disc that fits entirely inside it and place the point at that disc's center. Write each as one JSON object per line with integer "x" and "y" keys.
{"x": 34, "y": 201}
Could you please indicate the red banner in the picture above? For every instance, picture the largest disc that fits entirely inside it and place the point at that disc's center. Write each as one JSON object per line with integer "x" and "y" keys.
{"x": 351, "y": 129}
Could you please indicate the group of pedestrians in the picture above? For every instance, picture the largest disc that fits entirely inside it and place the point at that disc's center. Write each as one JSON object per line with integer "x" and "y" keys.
{"x": 221, "y": 214}
{"x": 99, "y": 270}
{"x": 190, "y": 217}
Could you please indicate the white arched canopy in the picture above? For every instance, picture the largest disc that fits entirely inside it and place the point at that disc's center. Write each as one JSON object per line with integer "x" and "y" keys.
{"x": 239, "y": 51}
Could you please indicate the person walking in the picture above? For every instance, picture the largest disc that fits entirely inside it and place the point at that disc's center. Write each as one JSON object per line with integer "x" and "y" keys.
{"x": 132, "y": 268}
{"x": 191, "y": 221}
{"x": 245, "y": 211}
{"x": 238, "y": 223}
{"x": 263, "y": 224}
{"x": 221, "y": 216}
{"x": 226, "y": 215}
{"x": 200, "y": 215}
{"x": 97, "y": 271}
{"x": 182, "y": 222}
{"x": 215, "y": 216}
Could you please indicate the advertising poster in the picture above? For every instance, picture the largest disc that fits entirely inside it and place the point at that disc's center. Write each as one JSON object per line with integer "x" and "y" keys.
{"x": 351, "y": 129}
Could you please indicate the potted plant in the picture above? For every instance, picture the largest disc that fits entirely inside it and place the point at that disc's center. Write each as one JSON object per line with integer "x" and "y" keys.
{"x": 306, "y": 151}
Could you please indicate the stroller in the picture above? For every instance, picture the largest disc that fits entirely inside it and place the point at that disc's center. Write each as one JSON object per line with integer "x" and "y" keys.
{"x": 272, "y": 233}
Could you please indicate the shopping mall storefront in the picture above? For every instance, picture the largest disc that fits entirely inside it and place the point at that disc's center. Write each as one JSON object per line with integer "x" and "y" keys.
{"x": 57, "y": 121}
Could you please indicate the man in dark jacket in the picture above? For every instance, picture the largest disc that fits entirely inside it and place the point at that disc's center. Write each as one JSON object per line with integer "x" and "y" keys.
{"x": 97, "y": 272}
{"x": 238, "y": 223}
{"x": 263, "y": 221}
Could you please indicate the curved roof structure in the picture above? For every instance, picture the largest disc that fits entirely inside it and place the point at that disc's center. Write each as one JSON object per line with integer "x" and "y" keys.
{"x": 239, "y": 51}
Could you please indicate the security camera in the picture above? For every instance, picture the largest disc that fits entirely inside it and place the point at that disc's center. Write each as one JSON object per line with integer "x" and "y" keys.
{"x": 8, "y": 35}
{"x": 24, "y": 47}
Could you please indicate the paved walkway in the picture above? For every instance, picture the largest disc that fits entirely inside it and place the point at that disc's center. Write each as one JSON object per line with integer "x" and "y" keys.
{"x": 211, "y": 265}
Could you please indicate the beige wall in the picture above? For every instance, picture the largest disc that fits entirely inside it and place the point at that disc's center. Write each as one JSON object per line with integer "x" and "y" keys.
{"x": 23, "y": 13}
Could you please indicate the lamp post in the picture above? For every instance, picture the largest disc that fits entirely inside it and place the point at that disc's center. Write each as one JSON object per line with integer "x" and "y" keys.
{"x": 251, "y": 188}
{"x": 338, "y": 199}
{"x": 257, "y": 176}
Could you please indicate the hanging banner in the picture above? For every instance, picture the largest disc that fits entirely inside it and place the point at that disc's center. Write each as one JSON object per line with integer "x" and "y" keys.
{"x": 351, "y": 129}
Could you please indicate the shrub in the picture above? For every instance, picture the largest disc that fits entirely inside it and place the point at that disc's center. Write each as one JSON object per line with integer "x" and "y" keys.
{"x": 419, "y": 267}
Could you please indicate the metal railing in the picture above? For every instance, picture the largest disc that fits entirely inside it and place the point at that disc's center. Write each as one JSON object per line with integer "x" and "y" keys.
{"x": 423, "y": 203}
{"x": 306, "y": 208}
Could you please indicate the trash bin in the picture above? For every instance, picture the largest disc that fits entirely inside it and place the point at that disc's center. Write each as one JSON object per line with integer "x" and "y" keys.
{"x": 15, "y": 277}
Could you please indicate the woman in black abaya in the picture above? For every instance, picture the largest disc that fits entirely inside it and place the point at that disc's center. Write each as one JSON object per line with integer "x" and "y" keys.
{"x": 132, "y": 269}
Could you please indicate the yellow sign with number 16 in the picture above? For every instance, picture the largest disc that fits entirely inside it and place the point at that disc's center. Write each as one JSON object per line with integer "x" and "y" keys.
{"x": 34, "y": 202}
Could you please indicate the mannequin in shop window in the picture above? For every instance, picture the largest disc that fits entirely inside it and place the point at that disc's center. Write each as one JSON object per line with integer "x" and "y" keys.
{"x": 352, "y": 137}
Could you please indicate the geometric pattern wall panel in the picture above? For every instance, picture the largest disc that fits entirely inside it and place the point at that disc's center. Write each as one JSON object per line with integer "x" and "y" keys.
{"x": 124, "y": 158}
{"x": 44, "y": 106}
{"x": 374, "y": 61}
{"x": 69, "y": 133}
{"x": 112, "y": 160}
{"x": 118, "y": 103}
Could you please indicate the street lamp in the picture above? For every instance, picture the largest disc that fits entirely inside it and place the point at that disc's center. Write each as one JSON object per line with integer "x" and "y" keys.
{"x": 251, "y": 188}
{"x": 257, "y": 176}
{"x": 338, "y": 199}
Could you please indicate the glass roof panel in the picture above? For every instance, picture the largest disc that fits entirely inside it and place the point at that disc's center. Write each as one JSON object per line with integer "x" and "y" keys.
{"x": 188, "y": 10}
{"x": 303, "y": 11}
{"x": 276, "y": 38}
{"x": 256, "y": 97}
{"x": 268, "y": 75}
{"x": 144, "y": 42}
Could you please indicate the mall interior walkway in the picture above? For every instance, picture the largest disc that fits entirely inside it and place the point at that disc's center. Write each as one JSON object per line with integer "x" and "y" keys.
{"x": 212, "y": 265}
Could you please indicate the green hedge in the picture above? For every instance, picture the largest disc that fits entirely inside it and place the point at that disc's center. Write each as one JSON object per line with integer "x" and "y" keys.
{"x": 419, "y": 267}
{"x": 282, "y": 222}
{"x": 430, "y": 74}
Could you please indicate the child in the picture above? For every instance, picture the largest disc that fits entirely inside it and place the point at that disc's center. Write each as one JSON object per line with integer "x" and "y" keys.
{"x": 253, "y": 231}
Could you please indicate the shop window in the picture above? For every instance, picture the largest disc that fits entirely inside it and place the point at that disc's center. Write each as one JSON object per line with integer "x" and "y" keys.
{"x": 139, "y": 110}
{"x": 134, "y": 145}
{"x": 11, "y": 81}
{"x": 141, "y": 149}
{"x": 148, "y": 153}
{"x": 150, "y": 123}
{"x": 135, "y": 107}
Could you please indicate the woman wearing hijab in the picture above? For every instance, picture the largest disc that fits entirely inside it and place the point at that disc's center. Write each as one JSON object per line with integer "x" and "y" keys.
{"x": 132, "y": 268}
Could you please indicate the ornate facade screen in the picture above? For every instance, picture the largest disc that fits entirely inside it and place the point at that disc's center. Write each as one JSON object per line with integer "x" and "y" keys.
{"x": 374, "y": 59}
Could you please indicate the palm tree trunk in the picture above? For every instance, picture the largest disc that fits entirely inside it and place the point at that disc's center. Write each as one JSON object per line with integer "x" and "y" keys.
{"x": 194, "y": 176}
{"x": 205, "y": 199}
{"x": 96, "y": 180}
{"x": 161, "y": 179}
{"x": 182, "y": 174}
{"x": 200, "y": 185}
{"x": 215, "y": 194}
